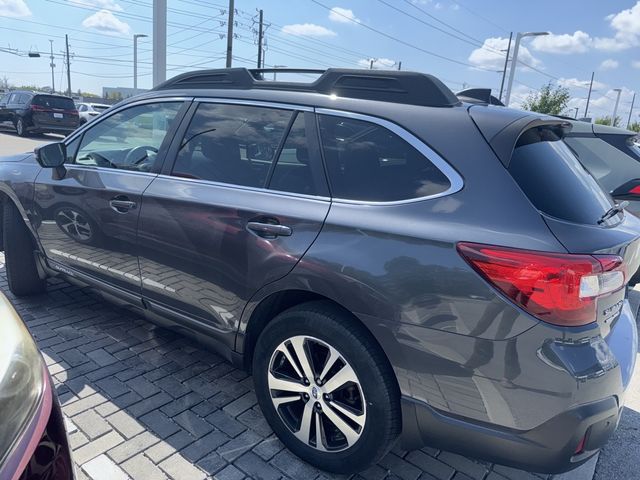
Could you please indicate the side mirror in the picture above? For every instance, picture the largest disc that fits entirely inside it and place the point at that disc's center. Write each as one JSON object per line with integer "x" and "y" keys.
{"x": 52, "y": 155}
{"x": 628, "y": 191}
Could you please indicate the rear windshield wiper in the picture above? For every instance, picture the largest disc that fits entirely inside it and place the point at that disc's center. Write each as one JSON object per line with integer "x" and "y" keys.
{"x": 613, "y": 211}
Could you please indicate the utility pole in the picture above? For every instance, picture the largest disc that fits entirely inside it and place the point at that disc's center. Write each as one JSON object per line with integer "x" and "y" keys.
{"x": 66, "y": 39}
{"x": 631, "y": 110}
{"x": 371, "y": 64}
{"x": 159, "y": 41}
{"x": 260, "y": 33}
{"x": 52, "y": 65}
{"x": 230, "y": 33}
{"x": 586, "y": 109}
{"x": 506, "y": 61}
{"x": 576, "y": 114}
{"x": 400, "y": 65}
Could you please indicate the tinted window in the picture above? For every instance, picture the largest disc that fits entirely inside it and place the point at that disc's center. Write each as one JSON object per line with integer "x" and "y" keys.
{"x": 557, "y": 184}
{"x": 129, "y": 139}
{"x": 100, "y": 108}
{"x": 13, "y": 98}
{"x": 231, "y": 144}
{"x": 294, "y": 171}
{"x": 610, "y": 166}
{"x": 82, "y": 108}
{"x": 49, "y": 101}
{"x": 23, "y": 98}
{"x": 366, "y": 161}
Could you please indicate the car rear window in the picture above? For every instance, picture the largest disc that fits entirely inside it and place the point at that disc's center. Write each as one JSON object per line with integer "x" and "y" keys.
{"x": 100, "y": 108}
{"x": 554, "y": 180}
{"x": 49, "y": 101}
{"x": 610, "y": 166}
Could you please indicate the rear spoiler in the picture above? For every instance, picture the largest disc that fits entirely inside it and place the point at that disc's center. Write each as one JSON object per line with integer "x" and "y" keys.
{"x": 502, "y": 131}
{"x": 480, "y": 96}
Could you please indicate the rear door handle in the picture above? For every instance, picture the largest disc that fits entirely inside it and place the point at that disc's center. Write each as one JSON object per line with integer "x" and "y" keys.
{"x": 122, "y": 204}
{"x": 270, "y": 229}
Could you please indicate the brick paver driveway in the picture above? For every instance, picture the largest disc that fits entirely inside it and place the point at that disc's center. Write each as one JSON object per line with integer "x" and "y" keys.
{"x": 144, "y": 402}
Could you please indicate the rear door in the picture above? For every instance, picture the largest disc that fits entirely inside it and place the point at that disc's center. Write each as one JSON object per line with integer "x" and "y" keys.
{"x": 240, "y": 201}
{"x": 87, "y": 219}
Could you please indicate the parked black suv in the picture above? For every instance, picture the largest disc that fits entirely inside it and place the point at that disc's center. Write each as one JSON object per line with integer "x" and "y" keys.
{"x": 31, "y": 112}
{"x": 387, "y": 261}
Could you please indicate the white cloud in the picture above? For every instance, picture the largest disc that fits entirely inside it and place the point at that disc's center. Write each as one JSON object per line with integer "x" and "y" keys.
{"x": 609, "y": 64}
{"x": 491, "y": 55}
{"x": 106, "y": 4}
{"x": 14, "y": 8}
{"x": 342, "y": 15}
{"x": 105, "y": 22}
{"x": 626, "y": 25}
{"x": 565, "y": 44}
{"x": 575, "y": 83}
{"x": 635, "y": 64}
{"x": 308, "y": 29}
{"x": 378, "y": 63}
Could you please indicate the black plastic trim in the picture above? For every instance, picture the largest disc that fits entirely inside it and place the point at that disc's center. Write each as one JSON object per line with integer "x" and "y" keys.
{"x": 547, "y": 448}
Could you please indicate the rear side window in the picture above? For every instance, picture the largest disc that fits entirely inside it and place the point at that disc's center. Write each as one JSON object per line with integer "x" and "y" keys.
{"x": 555, "y": 182}
{"x": 23, "y": 98}
{"x": 610, "y": 166}
{"x": 49, "y": 101}
{"x": 233, "y": 144}
{"x": 367, "y": 162}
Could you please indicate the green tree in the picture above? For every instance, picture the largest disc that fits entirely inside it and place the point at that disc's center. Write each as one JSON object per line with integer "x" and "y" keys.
{"x": 606, "y": 120}
{"x": 549, "y": 99}
{"x": 634, "y": 127}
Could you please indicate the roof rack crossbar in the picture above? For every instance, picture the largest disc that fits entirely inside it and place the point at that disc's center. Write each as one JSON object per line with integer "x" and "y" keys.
{"x": 391, "y": 86}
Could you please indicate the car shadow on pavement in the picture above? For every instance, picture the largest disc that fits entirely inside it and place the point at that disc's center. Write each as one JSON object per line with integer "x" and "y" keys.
{"x": 145, "y": 402}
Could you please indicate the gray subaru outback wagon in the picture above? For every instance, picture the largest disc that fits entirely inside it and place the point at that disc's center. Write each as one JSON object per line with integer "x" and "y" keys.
{"x": 390, "y": 263}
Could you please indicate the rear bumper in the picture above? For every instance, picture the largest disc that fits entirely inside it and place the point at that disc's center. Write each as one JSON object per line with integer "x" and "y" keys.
{"x": 578, "y": 393}
{"x": 548, "y": 448}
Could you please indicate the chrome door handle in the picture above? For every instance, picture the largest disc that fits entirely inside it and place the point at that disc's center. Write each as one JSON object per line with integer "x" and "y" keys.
{"x": 269, "y": 229}
{"x": 121, "y": 205}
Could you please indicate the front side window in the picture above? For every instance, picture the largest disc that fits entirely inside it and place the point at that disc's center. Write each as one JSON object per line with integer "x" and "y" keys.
{"x": 233, "y": 144}
{"x": 368, "y": 162}
{"x": 129, "y": 139}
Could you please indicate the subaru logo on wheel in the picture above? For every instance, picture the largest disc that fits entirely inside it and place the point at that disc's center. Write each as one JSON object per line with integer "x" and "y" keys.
{"x": 314, "y": 392}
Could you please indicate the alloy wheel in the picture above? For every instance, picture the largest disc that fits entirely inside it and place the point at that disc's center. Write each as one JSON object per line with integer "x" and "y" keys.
{"x": 317, "y": 394}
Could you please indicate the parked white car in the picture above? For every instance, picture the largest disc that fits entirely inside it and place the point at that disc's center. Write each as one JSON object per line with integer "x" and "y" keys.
{"x": 88, "y": 111}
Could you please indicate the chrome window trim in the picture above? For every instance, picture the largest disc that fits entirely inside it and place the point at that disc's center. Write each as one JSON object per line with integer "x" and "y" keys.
{"x": 455, "y": 180}
{"x": 101, "y": 118}
{"x": 78, "y": 166}
{"x": 234, "y": 186}
{"x": 255, "y": 103}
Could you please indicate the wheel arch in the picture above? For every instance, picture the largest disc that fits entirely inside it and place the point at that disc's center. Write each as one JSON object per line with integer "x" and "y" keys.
{"x": 277, "y": 302}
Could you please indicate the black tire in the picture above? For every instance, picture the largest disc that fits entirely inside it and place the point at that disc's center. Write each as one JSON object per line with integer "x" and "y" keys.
{"x": 377, "y": 382}
{"x": 20, "y": 263}
{"x": 21, "y": 129}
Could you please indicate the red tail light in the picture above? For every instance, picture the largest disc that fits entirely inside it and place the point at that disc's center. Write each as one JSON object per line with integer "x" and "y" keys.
{"x": 635, "y": 190}
{"x": 558, "y": 288}
{"x": 39, "y": 108}
{"x": 72, "y": 112}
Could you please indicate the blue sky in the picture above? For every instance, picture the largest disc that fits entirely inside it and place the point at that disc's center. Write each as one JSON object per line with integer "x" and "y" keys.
{"x": 457, "y": 40}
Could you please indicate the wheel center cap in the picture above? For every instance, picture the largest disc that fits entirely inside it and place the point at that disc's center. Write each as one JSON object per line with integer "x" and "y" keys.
{"x": 314, "y": 392}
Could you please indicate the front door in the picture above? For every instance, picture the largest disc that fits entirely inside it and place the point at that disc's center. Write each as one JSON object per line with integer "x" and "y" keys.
{"x": 244, "y": 199}
{"x": 87, "y": 218}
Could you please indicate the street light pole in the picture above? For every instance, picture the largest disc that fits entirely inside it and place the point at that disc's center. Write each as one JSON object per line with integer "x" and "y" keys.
{"x": 135, "y": 60}
{"x": 615, "y": 107}
{"x": 514, "y": 60}
{"x": 506, "y": 62}
{"x": 277, "y": 66}
{"x": 159, "y": 41}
